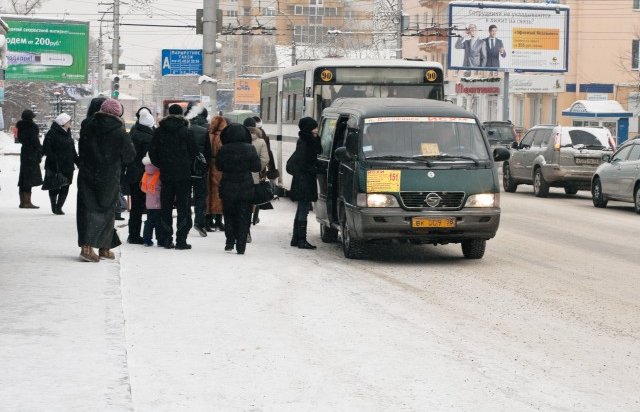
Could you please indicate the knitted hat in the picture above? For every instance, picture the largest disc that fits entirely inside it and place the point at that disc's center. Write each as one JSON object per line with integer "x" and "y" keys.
{"x": 146, "y": 119}
{"x": 249, "y": 122}
{"x": 307, "y": 124}
{"x": 175, "y": 109}
{"x": 112, "y": 106}
{"x": 63, "y": 119}
{"x": 28, "y": 115}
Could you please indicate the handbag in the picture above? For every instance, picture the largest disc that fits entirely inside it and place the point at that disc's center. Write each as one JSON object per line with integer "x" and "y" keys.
{"x": 262, "y": 193}
{"x": 273, "y": 174}
{"x": 199, "y": 166}
{"x": 292, "y": 163}
{"x": 54, "y": 180}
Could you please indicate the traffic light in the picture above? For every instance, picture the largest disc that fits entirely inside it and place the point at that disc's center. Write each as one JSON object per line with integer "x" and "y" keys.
{"x": 115, "y": 87}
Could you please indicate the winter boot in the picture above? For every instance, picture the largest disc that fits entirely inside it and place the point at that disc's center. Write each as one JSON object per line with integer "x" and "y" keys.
{"x": 256, "y": 219}
{"x": 62, "y": 197}
{"x": 88, "y": 254}
{"x": 53, "y": 198}
{"x": 106, "y": 254}
{"x": 27, "y": 202}
{"x": 294, "y": 237}
{"x": 219, "y": 224}
{"x": 302, "y": 237}
{"x": 209, "y": 226}
{"x": 249, "y": 237}
{"x": 21, "y": 200}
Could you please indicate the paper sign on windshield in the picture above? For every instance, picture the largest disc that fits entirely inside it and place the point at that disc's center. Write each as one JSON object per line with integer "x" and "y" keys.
{"x": 383, "y": 181}
{"x": 429, "y": 149}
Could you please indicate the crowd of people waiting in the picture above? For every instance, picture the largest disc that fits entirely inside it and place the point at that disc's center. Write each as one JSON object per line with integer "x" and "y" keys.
{"x": 154, "y": 165}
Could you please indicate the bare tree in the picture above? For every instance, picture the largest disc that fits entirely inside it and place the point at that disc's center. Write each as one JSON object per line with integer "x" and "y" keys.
{"x": 24, "y": 6}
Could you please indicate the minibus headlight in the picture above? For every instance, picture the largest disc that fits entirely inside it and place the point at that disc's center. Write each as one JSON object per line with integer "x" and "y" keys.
{"x": 484, "y": 200}
{"x": 381, "y": 200}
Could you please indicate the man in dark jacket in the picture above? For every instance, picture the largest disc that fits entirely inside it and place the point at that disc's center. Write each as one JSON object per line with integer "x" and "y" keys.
{"x": 197, "y": 116}
{"x": 141, "y": 135}
{"x": 30, "y": 157}
{"x": 237, "y": 159}
{"x": 304, "y": 187}
{"x": 173, "y": 150}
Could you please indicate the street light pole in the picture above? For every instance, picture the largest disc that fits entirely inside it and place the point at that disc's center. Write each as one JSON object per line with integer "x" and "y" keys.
{"x": 115, "y": 53}
{"x": 209, "y": 29}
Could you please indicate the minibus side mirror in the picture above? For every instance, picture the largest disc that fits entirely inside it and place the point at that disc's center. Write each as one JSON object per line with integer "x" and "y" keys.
{"x": 515, "y": 145}
{"x": 501, "y": 154}
{"x": 606, "y": 158}
{"x": 342, "y": 154}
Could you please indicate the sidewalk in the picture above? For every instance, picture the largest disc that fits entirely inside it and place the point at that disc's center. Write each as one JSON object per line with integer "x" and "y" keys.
{"x": 61, "y": 321}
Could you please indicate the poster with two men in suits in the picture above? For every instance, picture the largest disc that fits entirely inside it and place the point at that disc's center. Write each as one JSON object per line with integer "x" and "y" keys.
{"x": 508, "y": 36}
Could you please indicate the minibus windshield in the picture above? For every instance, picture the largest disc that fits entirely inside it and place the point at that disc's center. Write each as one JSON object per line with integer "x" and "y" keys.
{"x": 440, "y": 138}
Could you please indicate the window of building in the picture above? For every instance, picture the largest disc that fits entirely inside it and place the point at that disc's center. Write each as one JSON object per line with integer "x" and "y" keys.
{"x": 298, "y": 10}
{"x": 246, "y": 11}
{"x": 232, "y": 13}
{"x": 554, "y": 109}
{"x": 636, "y": 4}
{"x": 315, "y": 20}
{"x": 315, "y": 2}
{"x": 330, "y": 11}
{"x": 349, "y": 14}
{"x": 635, "y": 53}
{"x": 268, "y": 11}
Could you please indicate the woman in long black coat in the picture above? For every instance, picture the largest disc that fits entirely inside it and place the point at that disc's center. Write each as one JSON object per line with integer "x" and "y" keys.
{"x": 61, "y": 157}
{"x": 304, "y": 188}
{"x": 103, "y": 148}
{"x": 236, "y": 160}
{"x": 30, "y": 157}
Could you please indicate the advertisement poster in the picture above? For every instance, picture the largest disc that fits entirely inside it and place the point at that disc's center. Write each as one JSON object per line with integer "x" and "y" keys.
{"x": 247, "y": 91}
{"x": 509, "y": 36}
{"x": 47, "y": 50}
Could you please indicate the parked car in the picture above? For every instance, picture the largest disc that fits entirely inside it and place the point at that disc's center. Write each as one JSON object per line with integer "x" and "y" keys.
{"x": 406, "y": 170}
{"x": 500, "y": 133}
{"x": 618, "y": 178}
{"x": 556, "y": 156}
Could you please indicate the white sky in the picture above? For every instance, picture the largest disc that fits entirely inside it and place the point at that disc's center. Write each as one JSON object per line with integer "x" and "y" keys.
{"x": 141, "y": 45}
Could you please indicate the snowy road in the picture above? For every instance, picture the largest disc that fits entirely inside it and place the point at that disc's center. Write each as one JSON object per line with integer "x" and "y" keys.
{"x": 549, "y": 319}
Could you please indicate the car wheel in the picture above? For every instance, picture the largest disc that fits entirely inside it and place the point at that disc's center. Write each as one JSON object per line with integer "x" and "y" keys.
{"x": 474, "y": 248}
{"x": 596, "y": 194}
{"x": 328, "y": 234}
{"x": 352, "y": 248}
{"x": 508, "y": 183}
{"x": 570, "y": 189}
{"x": 540, "y": 186}
{"x": 636, "y": 198}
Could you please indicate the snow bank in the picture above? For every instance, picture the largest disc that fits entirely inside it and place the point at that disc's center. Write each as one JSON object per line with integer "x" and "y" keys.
{"x": 7, "y": 144}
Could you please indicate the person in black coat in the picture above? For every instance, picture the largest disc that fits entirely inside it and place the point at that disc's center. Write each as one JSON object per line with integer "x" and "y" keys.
{"x": 173, "y": 151}
{"x": 94, "y": 107}
{"x": 30, "y": 157}
{"x": 236, "y": 160}
{"x": 197, "y": 116}
{"x": 141, "y": 135}
{"x": 304, "y": 187}
{"x": 104, "y": 147}
{"x": 61, "y": 157}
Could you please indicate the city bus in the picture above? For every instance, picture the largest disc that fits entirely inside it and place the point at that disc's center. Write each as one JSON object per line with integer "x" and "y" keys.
{"x": 289, "y": 94}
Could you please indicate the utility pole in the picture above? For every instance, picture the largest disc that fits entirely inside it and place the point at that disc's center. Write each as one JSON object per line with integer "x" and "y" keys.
{"x": 399, "y": 43}
{"x": 209, "y": 28}
{"x": 293, "y": 53}
{"x": 100, "y": 62}
{"x": 115, "y": 53}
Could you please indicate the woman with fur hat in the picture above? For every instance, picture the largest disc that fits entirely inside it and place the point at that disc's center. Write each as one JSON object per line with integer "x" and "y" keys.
{"x": 215, "y": 209}
{"x": 304, "y": 188}
{"x": 30, "y": 157}
{"x": 103, "y": 148}
{"x": 237, "y": 159}
{"x": 61, "y": 157}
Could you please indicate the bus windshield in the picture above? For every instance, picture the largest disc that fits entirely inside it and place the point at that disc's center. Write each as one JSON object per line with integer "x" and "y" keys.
{"x": 412, "y": 137}
{"x": 331, "y": 92}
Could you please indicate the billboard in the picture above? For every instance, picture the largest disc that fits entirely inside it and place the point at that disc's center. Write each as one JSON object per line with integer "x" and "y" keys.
{"x": 509, "y": 37}
{"x": 47, "y": 50}
{"x": 247, "y": 91}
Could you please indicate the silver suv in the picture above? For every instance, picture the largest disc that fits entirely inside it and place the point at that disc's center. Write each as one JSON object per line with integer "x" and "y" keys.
{"x": 557, "y": 156}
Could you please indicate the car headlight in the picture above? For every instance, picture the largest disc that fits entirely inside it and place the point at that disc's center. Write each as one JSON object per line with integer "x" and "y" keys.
{"x": 483, "y": 200}
{"x": 377, "y": 200}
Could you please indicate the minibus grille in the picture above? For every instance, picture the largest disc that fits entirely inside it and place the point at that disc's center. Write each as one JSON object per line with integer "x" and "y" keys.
{"x": 432, "y": 200}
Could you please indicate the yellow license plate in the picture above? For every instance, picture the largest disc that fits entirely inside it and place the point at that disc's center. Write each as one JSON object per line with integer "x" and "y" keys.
{"x": 429, "y": 222}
